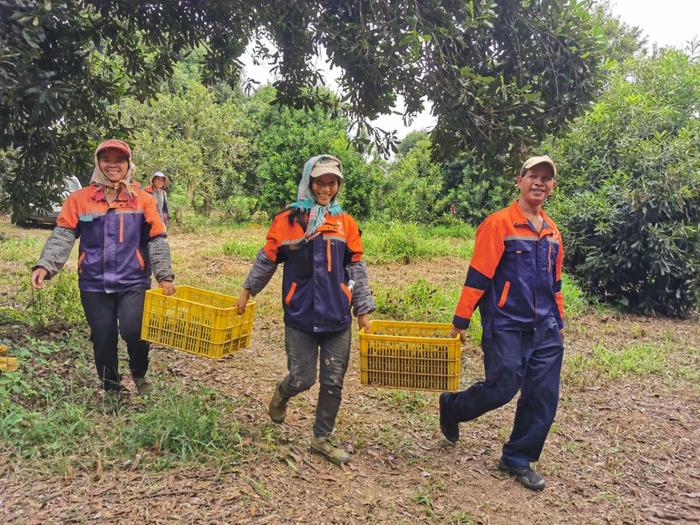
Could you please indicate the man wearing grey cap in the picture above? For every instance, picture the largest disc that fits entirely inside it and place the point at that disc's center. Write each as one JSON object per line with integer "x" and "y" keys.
{"x": 514, "y": 278}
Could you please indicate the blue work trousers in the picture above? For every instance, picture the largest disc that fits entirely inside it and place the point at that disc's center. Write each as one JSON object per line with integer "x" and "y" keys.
{"x": 529, "y": 361}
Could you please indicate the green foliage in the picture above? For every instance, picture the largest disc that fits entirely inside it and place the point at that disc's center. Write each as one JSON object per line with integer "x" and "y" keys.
{"x": 56, "y": 306}
{"x": 200, "y": 144}
{"x": 46, "y": 413}
{"x": 406, "y": 242}
{"x": 629, "y": 198}
{"x": 474, "y": 191}
{"x": 21, "y": 249}
{"x": 287, "y": 138}
{"x": 497, "y": 90}
{"x": 413, "y": 187}
{"x": 419, "y": 301}
{"x": 635, "y": 359}
{"x": 239, "y": 208}
{"x": 410, "y": 141}
{"x": 42, "y": 412}
{"x": 183, "y": 426}
{"x": 622, "y": 41}
{"x": 242, "y": 248}
{"x": 576, "y": 302}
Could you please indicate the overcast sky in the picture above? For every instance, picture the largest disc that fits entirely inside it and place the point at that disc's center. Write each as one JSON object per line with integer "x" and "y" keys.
{"x": 666, "y": 23}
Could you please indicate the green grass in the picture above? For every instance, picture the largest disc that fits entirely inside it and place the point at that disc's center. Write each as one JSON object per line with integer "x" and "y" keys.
{"x": 576, "y": 302}
{"x": 51, "y": 415}
{"x": 384, "y": 242}
{"x": 406, "y": 242}
{"x": 247, "y": 248}
{"x": 182, "y": 426}
{"x": 56, "y": 306}
{"x": 25, "y": 250}
{"x": 418, "y": 301}
{"x": 636, "y": 359}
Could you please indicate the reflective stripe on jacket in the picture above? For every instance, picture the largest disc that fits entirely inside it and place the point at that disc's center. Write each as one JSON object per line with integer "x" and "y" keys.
{"x": 114, "y": 238}
{"x": 514, "y": 276}
{"x": 315, "y": 294}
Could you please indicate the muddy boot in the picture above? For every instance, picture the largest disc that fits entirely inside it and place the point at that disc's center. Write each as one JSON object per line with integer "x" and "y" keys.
{"x": 323, "y": 446}
{"x": 278, "y": 406}
{"x": 143, "y": 385}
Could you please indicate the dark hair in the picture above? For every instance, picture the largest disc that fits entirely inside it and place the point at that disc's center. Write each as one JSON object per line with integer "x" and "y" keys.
{"x": 295, "y": 215}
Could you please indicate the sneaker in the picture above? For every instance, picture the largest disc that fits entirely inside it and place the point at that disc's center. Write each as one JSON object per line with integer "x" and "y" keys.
{"x": 448, "y": 427}
{"x": 278, "y": 406}
{"x": 525, "y": 475}
{"x": 323, "y": 446}
{"x": 143, "y": 385}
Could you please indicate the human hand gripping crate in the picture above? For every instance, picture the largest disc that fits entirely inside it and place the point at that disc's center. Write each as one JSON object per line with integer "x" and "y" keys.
{"x": 196, "y": 321}
{"x": 410, "y": 356}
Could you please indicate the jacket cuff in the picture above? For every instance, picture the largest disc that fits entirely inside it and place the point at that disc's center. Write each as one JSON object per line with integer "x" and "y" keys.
{"x": 460, "y": 322}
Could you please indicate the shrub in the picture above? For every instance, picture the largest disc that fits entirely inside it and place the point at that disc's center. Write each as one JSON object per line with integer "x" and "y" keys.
{"x": 630, "y": 189}
{"x": 238, "y": 208}
{"x": 56, "y": 306}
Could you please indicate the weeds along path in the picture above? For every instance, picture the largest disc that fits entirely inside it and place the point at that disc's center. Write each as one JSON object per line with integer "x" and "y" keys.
{"x": 623, "y": 449}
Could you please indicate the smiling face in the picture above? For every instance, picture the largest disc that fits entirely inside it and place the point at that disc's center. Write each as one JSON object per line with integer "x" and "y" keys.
{"x": 325, "y": 188}
{"x": 536, "y": 184}
{"x": 113, "y": 163}
{"x": 158, "y": 182}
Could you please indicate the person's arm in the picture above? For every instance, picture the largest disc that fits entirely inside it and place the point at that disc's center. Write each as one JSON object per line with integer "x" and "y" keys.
{"x": 263, "y": 268}
{"x": 158, "y": 248}
{"x": 260, "y": 274}
{"x": 556, "y": 285}
{"x": 488, "y": 250}
{"x": 362, "y": 299}
{"x": 54, "y": 255}
{"x": 58, "y": 246}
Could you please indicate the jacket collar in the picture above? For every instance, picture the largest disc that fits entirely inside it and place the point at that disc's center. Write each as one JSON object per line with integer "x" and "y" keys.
{"x": 519, "y": 219}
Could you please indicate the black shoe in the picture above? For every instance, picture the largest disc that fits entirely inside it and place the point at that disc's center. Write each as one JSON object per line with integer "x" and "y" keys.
{"x": 449, "y": 428}
{"x": 525, "y": 475}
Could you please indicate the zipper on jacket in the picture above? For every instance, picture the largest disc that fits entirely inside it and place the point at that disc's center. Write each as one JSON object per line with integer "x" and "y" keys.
{"x": 290, "y": 294}
{"x": 328, "y": 255}
{"x": 549, "y": 258}
{"x": 121, "y": 227}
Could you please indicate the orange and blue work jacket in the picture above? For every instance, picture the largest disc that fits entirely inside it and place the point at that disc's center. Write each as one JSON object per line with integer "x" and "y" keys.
{"x": 114, "y": 239}
{"x": 514, "y": 276}
{"x": 315, "y": 292}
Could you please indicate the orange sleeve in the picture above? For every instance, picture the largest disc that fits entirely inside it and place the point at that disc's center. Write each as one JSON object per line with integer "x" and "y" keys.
{"x": 353, "y": 240}
{"x": 274, "y": 236}
{"x": 558, "y": 295}
{"x": 150, "y": 213}
{"x": 488, "y": 250}
{"x": 69, "y": 215}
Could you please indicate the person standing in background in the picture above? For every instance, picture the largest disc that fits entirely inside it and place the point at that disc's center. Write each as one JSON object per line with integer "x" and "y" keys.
{"x": 159, "y": 181}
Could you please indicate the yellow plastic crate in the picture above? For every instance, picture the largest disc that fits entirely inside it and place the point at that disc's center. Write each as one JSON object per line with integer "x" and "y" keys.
{"x": 410, "y": 356}
{"x": 196, "y": 321}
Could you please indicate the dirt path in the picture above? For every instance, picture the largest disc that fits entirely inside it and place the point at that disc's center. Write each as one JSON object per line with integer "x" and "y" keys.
{"x": 621, "y": 451}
